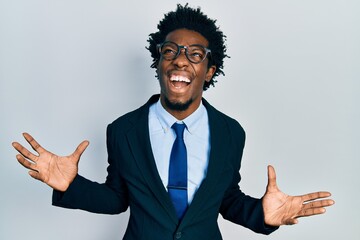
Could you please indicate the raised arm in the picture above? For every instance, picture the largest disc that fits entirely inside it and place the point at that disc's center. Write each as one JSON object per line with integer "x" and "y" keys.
{"x": 56, "y": 171}
{"x": 282, "y": 209}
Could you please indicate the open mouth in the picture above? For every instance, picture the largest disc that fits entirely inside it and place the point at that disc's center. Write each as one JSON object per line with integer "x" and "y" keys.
{"x": 179, "y": 81}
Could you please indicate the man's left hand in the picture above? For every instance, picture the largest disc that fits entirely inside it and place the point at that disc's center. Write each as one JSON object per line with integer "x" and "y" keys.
{"x": 282, "y": 209}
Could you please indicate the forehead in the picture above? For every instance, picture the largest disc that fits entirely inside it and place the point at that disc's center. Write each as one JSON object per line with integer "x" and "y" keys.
{"x": 186, "y": 37}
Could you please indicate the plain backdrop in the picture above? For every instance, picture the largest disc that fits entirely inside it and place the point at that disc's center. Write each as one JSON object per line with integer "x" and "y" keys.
{"x": 68, "y": 68}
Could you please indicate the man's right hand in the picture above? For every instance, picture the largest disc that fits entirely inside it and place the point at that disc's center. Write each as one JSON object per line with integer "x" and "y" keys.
{"x": 56, "y": 171}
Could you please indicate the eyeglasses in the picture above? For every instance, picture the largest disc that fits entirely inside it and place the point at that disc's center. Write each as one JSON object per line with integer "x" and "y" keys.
{"x": 194, "y": 53}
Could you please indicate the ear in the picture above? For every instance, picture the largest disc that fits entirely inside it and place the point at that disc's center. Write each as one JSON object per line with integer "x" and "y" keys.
{"x": 210, "y": 72}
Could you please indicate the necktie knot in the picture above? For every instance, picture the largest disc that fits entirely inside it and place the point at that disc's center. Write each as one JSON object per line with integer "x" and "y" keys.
{"x": 179, "y": 129}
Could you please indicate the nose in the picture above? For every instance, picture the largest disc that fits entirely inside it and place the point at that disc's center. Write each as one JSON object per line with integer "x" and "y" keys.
{"x": 181, "y": 60}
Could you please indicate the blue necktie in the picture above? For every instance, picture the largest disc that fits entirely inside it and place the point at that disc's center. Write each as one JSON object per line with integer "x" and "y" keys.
{"x": 177, "y": 186}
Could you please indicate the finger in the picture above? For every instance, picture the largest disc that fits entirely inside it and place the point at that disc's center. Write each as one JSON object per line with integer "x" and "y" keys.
{"x": 27, "y": 164}
{"x": 314, "y": 196}
{"x": 34, "y": 144}
{"x": 36, "y": 175}
{"x": 311, "y": 212}
{"x": 318, "y": 204}
{"x": 80, "y": 149}
{"x": 291, "y": 221}
{"x": 24, "y": 151}
{"x": 271, "y": 186}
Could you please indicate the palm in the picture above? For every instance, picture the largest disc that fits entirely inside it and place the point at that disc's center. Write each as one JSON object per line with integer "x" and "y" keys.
{"x": 282, "y": 209}
{"x": 58, "y": 172}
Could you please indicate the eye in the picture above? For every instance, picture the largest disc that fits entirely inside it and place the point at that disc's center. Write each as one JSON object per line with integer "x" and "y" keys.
{"x": 198, "y": 54}
{"x": 168, "y": 51}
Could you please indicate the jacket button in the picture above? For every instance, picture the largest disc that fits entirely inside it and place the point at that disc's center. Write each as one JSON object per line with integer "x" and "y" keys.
{"x": 178, "y": 235}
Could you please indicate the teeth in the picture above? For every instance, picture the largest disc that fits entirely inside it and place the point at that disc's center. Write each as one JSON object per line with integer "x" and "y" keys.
{"x": 175, "y": 78}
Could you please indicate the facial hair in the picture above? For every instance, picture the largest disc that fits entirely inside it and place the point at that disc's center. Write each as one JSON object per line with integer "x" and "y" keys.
{"x": 177, "y": 106}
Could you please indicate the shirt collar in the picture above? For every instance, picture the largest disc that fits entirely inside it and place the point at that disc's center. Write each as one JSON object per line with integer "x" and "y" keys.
{"x": 167, "y": 120}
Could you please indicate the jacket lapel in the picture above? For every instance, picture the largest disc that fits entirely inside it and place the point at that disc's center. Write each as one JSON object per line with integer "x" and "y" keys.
{"x": 216, "y": 164}
{"x": 139, "y": 142}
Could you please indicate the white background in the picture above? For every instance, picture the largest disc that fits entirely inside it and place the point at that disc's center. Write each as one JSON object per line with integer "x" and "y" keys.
{"x": 68, "y": 68}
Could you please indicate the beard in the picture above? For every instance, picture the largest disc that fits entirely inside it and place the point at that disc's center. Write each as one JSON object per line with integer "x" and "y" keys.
{"x": 177, "y": 106}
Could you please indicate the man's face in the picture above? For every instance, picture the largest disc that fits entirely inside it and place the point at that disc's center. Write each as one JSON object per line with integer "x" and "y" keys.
{"x": 181, "y": 81}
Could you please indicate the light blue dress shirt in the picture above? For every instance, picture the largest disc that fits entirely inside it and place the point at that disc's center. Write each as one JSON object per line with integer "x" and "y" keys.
{"x": 197, "y": 141}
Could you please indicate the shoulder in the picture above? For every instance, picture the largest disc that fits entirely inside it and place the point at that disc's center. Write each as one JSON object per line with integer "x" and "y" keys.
{"x": 130, "y": 119}
{"x": 216, "y": 117}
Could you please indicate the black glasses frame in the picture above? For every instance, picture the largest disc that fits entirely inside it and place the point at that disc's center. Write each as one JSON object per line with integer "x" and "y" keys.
{"x": 179, "y": 47}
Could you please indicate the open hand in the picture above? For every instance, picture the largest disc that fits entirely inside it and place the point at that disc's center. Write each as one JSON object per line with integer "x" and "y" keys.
{"x": 56, "y": 171}
{"x": 282, "y": 209}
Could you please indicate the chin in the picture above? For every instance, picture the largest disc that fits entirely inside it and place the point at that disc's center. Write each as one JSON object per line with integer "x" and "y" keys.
{"x": 177, "y": 106}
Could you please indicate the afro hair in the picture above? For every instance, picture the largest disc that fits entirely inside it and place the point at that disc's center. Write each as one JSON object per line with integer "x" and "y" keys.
{"x": 185, "y": 17}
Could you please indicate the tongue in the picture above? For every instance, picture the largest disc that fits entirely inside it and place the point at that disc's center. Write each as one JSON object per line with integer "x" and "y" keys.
{"x": 179, "y": 84}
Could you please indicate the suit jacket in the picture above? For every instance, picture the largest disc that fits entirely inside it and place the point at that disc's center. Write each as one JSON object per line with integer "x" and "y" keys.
{"x": 133, "y": 181}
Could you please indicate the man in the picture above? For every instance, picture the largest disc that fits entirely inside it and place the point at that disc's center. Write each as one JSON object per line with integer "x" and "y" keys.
{"x": 176, "y": 135}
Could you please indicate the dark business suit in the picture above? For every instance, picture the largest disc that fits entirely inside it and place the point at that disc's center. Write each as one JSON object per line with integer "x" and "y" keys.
{"x": 133, "y": 181}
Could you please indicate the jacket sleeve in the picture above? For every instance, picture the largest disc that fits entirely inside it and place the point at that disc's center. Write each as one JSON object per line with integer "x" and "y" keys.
{"x": 110, "y": 197}
{"x": 236, "y": 206}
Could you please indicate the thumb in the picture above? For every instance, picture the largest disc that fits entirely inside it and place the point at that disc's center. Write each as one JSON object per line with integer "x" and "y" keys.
{"x": 271, "y": 186}
{"x": 80, "y": 149}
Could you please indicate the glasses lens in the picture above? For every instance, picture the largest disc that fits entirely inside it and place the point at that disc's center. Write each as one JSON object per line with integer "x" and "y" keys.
{"x": 169, "y": 50}
{"x": 196, "y": 54}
